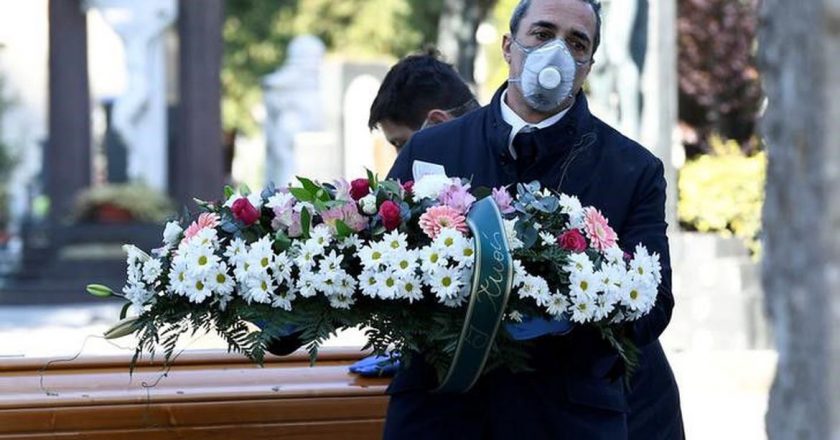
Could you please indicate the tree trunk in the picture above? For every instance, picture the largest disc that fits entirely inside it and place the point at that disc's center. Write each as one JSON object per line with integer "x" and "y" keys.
{"x": 799, "y": 46}
{"x": 459, "y": 21}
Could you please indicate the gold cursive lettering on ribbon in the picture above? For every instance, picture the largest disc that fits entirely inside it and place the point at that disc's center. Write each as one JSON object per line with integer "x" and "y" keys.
{"x": 476, "y": 338}
{"x": 491, "y": 287}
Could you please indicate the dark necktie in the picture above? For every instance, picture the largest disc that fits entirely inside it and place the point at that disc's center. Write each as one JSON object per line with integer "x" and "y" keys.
{"x": 525, "y": 145}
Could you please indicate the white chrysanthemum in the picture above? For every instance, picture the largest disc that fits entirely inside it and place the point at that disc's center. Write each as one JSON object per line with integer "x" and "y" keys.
{"x": 368, "y": 204}
{"x": 570, "y": 205}
{"x": 395, "y": 241}
{"x": 351, "y": 241}
{"x": 137, "y": 293}
{"x": 373, "y": 255}
{"x": 306, "y": 257}
{"x": 536, "y": 288}
{"x": 584, "y": 283}
{"x": 548, "y": 239}
{"x": 259, "y": 289}
{"x": 206, "y": 237}
{"x": 220, "y": 281}
{"x": 431, "y": 259}
{"x": 557, "y": 305}
{"x": 341, "y": 301}
{"x": 171, "y": 233}
{"x": 178, "y": 277}
{"x": 327, "y": 283}
{"x": 331, "y": 262}
{"x": 152, "y": 269}
{"x": 430, "y": 186}
{"x": 464, "y": 253}
{"x": 614, "y": 254}
{"x": 604, "y": 305}
{"x": 459, "y": 299}
{"x": 134, "y": 254}
{"x": 519, "y": 274}
{"x": 306, "y": 284}
{"x": 448, "y": 241}
{"x": 283, "y": 300}
{"x": 582, "y": 309}
{"x": 445, "y": 282}
{"x": 637, "y": 295}
{"x": 404, "y": 262}
{"x": 579, "y": 263}
{"x": 646, "y": 266}
{"x": 236, "y": 251}
{"x": 410, "y": 289}
{"x": 197, "y": 290}
{"x": 345, "y": 284}
{"x": 513, "y": 239}
{"x": 282, "y": 268}
{"x": 387, "y": 283}
{"x": 368, "y": 283}
{"x": 321, "y": 235}
{"x": 279, "y": 200}
{"x": 201, "y": 260}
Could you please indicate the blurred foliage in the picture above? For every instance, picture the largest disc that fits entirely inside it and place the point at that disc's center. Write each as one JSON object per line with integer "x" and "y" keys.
{"x": 257, "y": 32}
{"x": 141, "y": 202}
{"x": 723, "y": 192}
{"x": 719, "y": 84}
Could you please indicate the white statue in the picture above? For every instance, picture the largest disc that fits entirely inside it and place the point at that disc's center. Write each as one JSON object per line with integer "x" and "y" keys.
{"x": 139, "y": 114}
{"x": 293, "y": 103}
{"x": 616, "y": 82}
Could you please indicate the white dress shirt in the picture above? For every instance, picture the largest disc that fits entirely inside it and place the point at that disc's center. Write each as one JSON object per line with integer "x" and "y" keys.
{"x": 518, "y": 124}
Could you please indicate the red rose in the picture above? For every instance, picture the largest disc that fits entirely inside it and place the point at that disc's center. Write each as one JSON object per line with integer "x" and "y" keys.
{"x": 390, "y": 213}
{"x": 408, "y": 186}
{"x": 359, "y": 188}
{"x": 245, "y": 212}
{"x": 572, "y": 240}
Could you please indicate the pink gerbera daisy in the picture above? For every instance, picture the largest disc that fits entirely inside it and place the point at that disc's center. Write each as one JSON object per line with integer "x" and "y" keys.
{"x": 205, "y": 220}
{"x": 597, "y": 228}
{"x": 439, "y": 217}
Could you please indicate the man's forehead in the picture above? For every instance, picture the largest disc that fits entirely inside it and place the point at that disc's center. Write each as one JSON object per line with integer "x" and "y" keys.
{"x": 565, "y": 15}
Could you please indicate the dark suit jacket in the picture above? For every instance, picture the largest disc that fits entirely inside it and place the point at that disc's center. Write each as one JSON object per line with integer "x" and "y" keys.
{"x": 570, "y": 394}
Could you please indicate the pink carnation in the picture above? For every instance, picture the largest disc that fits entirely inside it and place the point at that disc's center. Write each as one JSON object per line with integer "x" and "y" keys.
{"x": 503, "y": 200}
{"x": 601, "y": 235}
{"x": 439, "y": 217}
{"x": 457, "y": 196}
{"x": 205, "y": 220}
{"x": 348, "y": 213}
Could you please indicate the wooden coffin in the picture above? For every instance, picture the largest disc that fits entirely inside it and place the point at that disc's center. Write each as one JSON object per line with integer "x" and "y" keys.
{"x": 206, "y": 395}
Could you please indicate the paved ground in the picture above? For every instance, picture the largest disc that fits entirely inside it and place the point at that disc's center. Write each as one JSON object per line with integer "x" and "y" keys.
{"x": 724, "y": 393}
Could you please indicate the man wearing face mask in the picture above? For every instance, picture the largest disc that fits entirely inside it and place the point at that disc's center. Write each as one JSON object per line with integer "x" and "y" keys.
{"x": 418, "y": 92}
{"x": 538, "y": 127}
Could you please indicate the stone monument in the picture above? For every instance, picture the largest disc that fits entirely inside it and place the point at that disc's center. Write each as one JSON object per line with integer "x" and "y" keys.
{"x": 139, "y": 114}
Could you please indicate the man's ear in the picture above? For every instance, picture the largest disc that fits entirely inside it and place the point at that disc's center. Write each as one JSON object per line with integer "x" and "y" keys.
{"x": 438, "y": 116}
{"x": 506, "y": 40}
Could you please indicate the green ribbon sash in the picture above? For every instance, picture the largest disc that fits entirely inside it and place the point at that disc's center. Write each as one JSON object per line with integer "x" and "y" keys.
{"x": 491, "y": 285}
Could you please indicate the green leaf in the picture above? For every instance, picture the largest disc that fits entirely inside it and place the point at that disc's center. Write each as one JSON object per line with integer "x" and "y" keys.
{"x": 244, "y": 190}
{"x": 305, "y": 222}
{"x": 124, "y": 310}
{"x": 391, "y": 186}
{"x": 372, "y": 180}
{"x": 342, "y": 230}
{"x": 322, "y": 195}
{"x": 99, "y": 290}
{"x": 309, "y": 185}
{"x": 282, "y": 241}
{"x": 302, "y": 194}
{"x": 320, "y": 205}
{"x": 229, "y": 191}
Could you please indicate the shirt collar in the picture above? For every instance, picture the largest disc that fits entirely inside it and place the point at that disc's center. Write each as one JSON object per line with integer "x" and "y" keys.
{"x": 517, "y": 123}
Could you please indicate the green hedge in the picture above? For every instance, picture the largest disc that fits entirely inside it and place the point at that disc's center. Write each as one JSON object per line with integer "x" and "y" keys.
{"x": 724, "y": 192}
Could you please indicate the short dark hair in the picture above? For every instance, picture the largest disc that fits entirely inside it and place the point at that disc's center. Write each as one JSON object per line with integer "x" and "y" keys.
{"x": 523, "y": 5}
{"x": 414, "y": 86}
